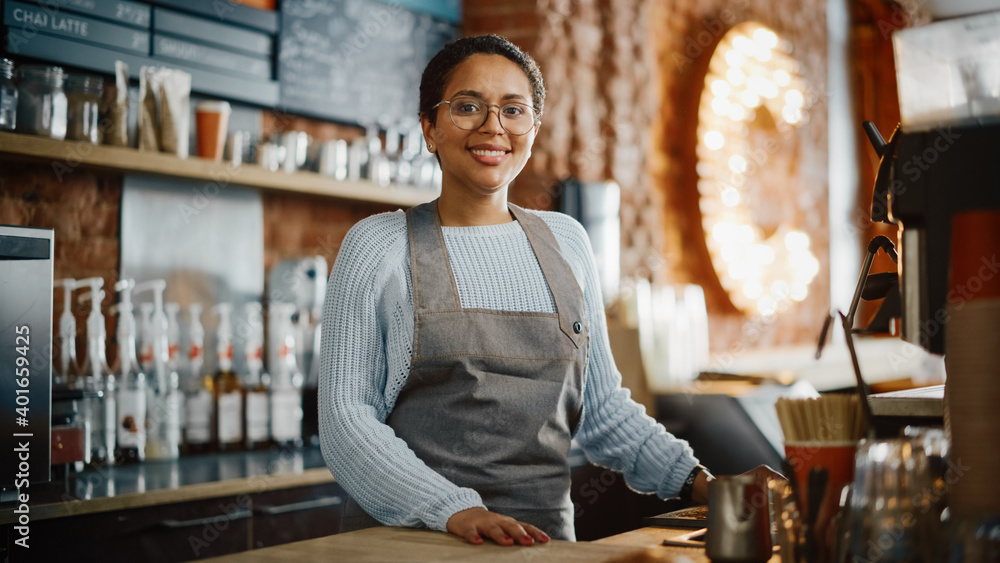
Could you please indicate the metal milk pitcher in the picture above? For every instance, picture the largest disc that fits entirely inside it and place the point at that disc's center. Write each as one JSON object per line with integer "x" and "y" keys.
{"x": 738, "y": 520}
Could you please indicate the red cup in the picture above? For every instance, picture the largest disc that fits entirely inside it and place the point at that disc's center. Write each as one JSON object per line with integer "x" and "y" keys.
{"x": 975, "y": 244}
{"x": 838, "y": 459}
{"x": 211, "y": 124}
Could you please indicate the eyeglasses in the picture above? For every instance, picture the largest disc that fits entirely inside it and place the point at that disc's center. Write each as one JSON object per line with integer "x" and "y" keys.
{"x": 470, "y": 113}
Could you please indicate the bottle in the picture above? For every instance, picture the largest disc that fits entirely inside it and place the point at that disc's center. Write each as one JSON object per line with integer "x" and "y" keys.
{"x": 83, "y": 103}
{"x": 173, "y": 335}
{"x": 163, "y": 417}
{"x": 198, "y": 389}
{"x": 131, "y": 416}
{"x": 286, "y": 381}
{"x": 41, "y": 101}
{"x": 228, "y": 392}
{"x": 68, "y": 369}
{"x": 256, "y": 382}
{"x": 8, "y": 96}
{"x": 97, "y": 380}
{"x": 145, "y": 337}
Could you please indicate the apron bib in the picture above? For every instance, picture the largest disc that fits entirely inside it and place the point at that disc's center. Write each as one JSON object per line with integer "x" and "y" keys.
{"x": 493, "y": 397}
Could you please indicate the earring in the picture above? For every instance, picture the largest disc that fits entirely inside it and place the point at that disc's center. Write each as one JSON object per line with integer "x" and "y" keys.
{"x": 430, "y": 146}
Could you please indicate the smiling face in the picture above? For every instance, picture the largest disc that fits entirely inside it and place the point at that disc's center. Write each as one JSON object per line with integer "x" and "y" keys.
{"x": 483, "y": 161}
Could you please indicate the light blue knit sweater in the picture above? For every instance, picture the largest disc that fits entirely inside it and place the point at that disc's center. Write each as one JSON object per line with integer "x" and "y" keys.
{"x": 365, "y": 360}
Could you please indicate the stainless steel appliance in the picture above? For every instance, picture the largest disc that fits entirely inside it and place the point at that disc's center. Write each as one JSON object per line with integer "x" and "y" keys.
{"x": 26, "y": 276}
{"x": 924, "y": 179}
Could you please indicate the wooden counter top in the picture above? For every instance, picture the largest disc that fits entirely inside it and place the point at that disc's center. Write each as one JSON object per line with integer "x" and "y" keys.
{"x": 386, "y": 545}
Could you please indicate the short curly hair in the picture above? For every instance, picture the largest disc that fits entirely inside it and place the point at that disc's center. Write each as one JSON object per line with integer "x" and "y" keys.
{"x": 441, "y": 68}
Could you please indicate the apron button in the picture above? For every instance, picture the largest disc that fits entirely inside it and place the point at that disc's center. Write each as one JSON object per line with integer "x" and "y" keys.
{"x": 578, "y": 327}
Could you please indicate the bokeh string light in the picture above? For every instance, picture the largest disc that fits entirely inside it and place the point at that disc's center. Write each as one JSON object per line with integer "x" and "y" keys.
{"x": 751, "y": 71}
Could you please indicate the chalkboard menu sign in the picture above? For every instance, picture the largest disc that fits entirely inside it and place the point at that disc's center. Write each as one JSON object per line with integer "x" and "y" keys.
{"x": 356, "y": 61}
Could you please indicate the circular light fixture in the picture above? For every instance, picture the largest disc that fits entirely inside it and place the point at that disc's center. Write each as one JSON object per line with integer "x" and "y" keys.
{"x": 751, "y": 104}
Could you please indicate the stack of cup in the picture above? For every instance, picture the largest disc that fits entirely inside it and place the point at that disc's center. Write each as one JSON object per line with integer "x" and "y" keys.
{"x": 212, "y": 122}
{"x": 972, "y": 390}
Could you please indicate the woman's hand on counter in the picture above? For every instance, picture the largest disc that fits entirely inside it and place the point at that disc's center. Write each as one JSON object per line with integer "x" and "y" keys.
{"x": 474, "y": 524}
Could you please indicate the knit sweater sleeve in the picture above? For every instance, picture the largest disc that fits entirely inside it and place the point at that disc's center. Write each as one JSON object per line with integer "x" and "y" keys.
{"x": 615, "y": 431}
{"x": 375, "y": 467}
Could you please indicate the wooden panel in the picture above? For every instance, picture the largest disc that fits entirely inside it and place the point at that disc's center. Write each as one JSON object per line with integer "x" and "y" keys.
{"x": 296, "y": 514}
{"x": 167, "y": 533}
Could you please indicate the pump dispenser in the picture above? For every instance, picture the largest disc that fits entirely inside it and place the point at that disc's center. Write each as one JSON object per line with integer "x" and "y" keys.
{"x": 228, "y": 392}
{"x": 145, "y": 335}
{"x": 96, "y": 378}
{"x": 286, "y": 381}
{"x": 199, "y": 401}
{"x": 68, "y": 369}
{"x": 173, "y": 335}
{"x": 256, "y": 382}
{"x": 163, "y": 420}
{"x": 131, "y": 419}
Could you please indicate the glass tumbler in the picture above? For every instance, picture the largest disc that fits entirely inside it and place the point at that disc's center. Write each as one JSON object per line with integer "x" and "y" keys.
{"x": 8, "y": 96}
{"x": 41, "y": 101}
{"x": 898, "y": 498}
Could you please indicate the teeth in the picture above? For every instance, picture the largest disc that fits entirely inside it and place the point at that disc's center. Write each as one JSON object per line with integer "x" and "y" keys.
{"x": 488, "y": 153}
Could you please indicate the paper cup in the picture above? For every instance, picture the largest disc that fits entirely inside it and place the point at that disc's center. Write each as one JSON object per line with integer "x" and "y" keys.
{"x": 211, "y": 123}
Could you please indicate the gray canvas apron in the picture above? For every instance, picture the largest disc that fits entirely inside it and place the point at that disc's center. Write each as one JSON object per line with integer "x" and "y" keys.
{"x": 493, "y": 397}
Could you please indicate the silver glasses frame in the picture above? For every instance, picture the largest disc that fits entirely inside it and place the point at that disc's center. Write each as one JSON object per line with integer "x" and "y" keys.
{"x": 486, "y": 117}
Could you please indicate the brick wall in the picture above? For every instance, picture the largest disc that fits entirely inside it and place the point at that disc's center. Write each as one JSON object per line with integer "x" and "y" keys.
{"x": 620, "y": 107}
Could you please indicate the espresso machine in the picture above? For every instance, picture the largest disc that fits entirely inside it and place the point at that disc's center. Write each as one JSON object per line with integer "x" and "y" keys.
{"x": 923, "y": 180}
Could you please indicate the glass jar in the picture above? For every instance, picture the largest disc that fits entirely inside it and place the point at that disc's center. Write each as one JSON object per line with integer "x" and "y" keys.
{"x": 83, "y": 95}
{"x": 41, "y": 101}
{"x": 8, "y": 96}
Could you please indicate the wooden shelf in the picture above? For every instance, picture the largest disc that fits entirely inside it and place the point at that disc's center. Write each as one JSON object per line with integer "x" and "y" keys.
{"x": 241, "y": 486}
{"x": 67, "y": 155}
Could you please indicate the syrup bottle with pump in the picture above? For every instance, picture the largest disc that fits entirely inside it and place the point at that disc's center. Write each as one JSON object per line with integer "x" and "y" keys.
{"x": 68, "y": 370}
{"x": 173, "y": 335}
{"x": 131, "y": 404}
{"x": 97, "y": 380}
{"x": 199, "y": 400}
{"x": 228, "y": 391}
{"x": 145, "y": 336}
{"x": 286, "y": 381}
{"x": 163, "y": 416}
{"x": 256, "y": 382}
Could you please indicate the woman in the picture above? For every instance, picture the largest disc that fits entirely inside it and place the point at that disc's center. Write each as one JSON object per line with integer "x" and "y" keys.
{"x": 465, "y": 341}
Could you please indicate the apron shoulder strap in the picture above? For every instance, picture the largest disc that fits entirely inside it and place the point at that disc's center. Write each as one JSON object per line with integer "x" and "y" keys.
{"x": 431, "y": 277}
{"x": 562, "y": 282}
